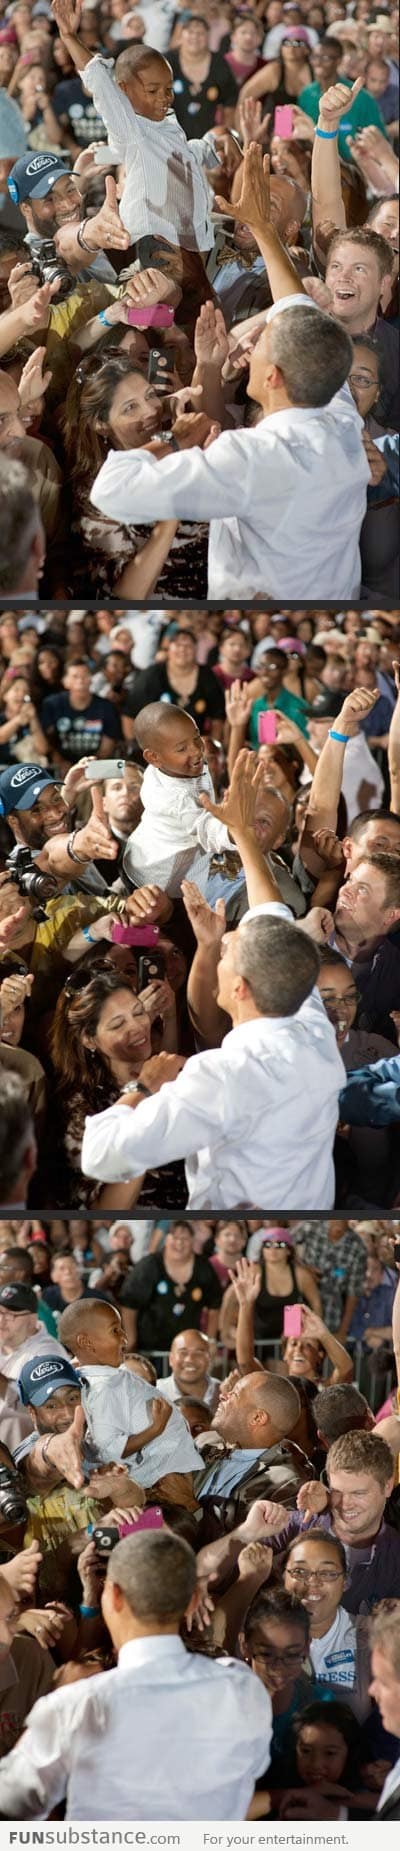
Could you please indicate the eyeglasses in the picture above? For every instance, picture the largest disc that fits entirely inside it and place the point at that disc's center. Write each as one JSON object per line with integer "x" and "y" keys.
{"x": 315, "y": 1574}
{"x": 265, "y": 1655}
{"x": 79, "y": 979}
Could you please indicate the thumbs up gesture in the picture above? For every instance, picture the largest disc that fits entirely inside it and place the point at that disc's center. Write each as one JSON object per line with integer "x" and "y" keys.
{"x": 106, "y": 230}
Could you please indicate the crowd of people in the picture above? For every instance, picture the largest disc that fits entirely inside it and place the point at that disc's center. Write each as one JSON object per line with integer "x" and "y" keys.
{"x": 217, "y": 1570}
{"x": 200, "y": 910}
{"x": 209, "y": 405}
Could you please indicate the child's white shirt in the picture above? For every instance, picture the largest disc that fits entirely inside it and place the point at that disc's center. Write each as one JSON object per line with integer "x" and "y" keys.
{"x": 166, "y": 193}
{"x": 176, "y": 836}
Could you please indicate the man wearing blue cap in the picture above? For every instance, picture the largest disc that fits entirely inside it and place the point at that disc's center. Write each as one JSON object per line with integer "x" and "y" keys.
{"x": 50, "y": 1389}
{"x": 37, "y": 812}
{"x": 47, "y": 194}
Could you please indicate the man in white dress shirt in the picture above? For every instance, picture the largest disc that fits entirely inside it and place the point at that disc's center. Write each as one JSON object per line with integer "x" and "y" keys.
{"x": 255, "y": 1118}
{"x": 285, "y": 498}
{"x": 385, "y": 1689}
{"x": 169, "y": 1734}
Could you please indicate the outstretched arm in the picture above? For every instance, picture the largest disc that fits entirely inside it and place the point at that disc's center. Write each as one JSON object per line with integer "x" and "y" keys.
{"x": 394, "y": 748}
{"x": 326, "y": 182}
{"x": 237, "y": 811}
{"x": 68, "y": 19}
{"x": 328, "y": 776}
{"x": 253, "y": 209}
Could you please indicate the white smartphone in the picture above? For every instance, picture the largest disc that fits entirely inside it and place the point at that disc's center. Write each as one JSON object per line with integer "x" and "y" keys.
{"x": 102, "y": 768}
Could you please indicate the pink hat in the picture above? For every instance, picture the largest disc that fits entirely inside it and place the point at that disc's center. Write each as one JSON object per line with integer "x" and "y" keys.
{"x": 293, "y": 33}
{"x": 293, "y": 646}
{"x": 277, "y": 1235}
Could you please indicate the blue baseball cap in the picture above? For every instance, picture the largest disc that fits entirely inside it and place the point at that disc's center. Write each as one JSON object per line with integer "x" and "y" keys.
{"x": 34, "y": 175}
{"x": 20, "y": 785}
{"x": 42, "y": 1376}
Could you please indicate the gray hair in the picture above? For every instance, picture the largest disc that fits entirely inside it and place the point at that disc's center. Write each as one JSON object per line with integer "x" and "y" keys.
{"x": 279, "y": 964}
{"x": 19, "y": 522}
{"x": 157, "y": 1574}
{"x": 16, "y": 1131}
{"x": 313, "y": 352}
{"x": 384, "y": 1631}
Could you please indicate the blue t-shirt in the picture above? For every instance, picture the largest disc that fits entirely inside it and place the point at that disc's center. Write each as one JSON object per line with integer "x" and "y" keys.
{"x": 80, "y": 734}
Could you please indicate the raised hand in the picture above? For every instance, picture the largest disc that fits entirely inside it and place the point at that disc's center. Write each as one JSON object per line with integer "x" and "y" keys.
{"x": 161, "y": 1068}
{"x": 264, "y": 1519}
{"x": 336, "y": 102}
{"x": 161, "y": 1411}
{"x": 148, "y": 287}
{"x": 22, "y": 284}
{"x": 318, "y": 925}
{"x": 35, "y": 378}
{"x": 148, "y": 905}
{"x": 255, "y": 1560}
{"x": 66, "y": 1451}
{"x": 238, "y": 703}
{"x": 67, "y": 16}
{"x": 22, "y": 1570}
{"x": 208, "y": 926}
{"x": 192, "y": 429}
{"x": 253, "y": 207}
{"x": 237, "y": 807}
{"x": 319, "y": 292}
{"x": 354, "y": 710}
{"x": 329, "y": 848}
{"x": 36, "y": 310}
{"x": 303, "y": 125}
{"x": 11, "y": 926}
{"x": 377, "y": 463}
{"x": 46, "y": 1624}
{"x": 210, "y": 337}
{"x": 253, "y": 125}
{"x": 312, "y": 1499}
{"x": 246, "y": 1281}
{"x": 158, "y": 999}
{"x": 14, "y": 990}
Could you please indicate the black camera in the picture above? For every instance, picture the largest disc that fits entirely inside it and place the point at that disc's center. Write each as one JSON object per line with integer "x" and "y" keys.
{"x": 105, "y": 1538}
{"x": 31, "y": 883}
{"x": 12, "y": 1501}
{"x": 49, "y": 267}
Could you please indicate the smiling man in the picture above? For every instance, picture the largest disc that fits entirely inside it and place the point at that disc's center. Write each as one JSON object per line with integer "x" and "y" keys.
{"x": 285, "y": 498}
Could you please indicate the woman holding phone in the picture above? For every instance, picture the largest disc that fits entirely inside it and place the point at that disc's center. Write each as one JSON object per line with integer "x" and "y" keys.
{"x": 282, "y": 80}
{"x": 283, "y": 1283}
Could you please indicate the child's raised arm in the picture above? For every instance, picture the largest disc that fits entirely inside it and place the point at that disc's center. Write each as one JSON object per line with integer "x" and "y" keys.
{"x": 110, "y": 101}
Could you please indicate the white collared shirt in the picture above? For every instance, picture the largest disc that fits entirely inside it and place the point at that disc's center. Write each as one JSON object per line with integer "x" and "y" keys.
{"x": 254, "y": 1119}
{"x": 165, "y": 193}
{"x": 392, "y": 1785}
{"x": 41, "y": 1344}
{"x": 168, "y": 1735}
{"x": 175, "y": 837}
{"x": 169, "y": 1387}
{"x": 285, "y": 501}
{"x": 117, "y": 1404}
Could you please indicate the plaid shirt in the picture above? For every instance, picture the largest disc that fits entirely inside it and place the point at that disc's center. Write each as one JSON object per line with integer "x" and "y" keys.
{"x": 339, "y": 1265}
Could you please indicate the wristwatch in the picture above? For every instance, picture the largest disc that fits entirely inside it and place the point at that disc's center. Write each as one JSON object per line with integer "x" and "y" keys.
{"x": 135, "y": 1086}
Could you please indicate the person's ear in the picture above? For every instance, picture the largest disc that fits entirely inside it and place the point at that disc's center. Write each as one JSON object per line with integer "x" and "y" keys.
{"x": 244, "y": 1649}
{"x": 348, "y": 846}
{"x": 292, "y": 232}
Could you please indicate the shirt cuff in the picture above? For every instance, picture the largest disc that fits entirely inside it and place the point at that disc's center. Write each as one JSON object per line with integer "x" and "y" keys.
{"x": 289, "y": 302}
{"x": 276, "y": 907}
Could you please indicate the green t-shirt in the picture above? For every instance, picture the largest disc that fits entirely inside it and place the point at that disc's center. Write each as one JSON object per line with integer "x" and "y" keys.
{"x": 46, "y": 1317}
{"x": 364, "y": 113}
{"x": 291, "y": 704}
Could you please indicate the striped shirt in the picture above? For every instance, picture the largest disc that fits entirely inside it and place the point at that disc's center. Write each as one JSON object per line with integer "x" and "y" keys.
{"x": 117, "y": 1404}
{"x": 166, "y": 193}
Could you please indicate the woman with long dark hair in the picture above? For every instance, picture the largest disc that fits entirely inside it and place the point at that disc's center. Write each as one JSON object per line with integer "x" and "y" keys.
{"x": 101, "y": 1038}
{"x": 111, "y": 405}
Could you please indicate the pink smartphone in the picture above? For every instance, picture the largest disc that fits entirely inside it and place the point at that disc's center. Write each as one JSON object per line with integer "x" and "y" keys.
{"x": 142, "y": 936}
{"x": 267, "y": 728}
{"x": 158, "y": 317}
{"x": 151, "y": 1519}
{"x": 283, "y": 121}
{"x": 292, "y": 1320}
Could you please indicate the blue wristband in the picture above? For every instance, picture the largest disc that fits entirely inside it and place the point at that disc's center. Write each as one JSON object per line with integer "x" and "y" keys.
{"x": 86, "y": 933}
{"x": 325, "y": 135}
{"x": 102, "y": 317}
{"x": 89, "y": 1613}
{"x": 343, "y": 737}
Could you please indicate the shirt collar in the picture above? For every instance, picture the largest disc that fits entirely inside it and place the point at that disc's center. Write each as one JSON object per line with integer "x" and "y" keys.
{"x": 155, "y": 1646}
